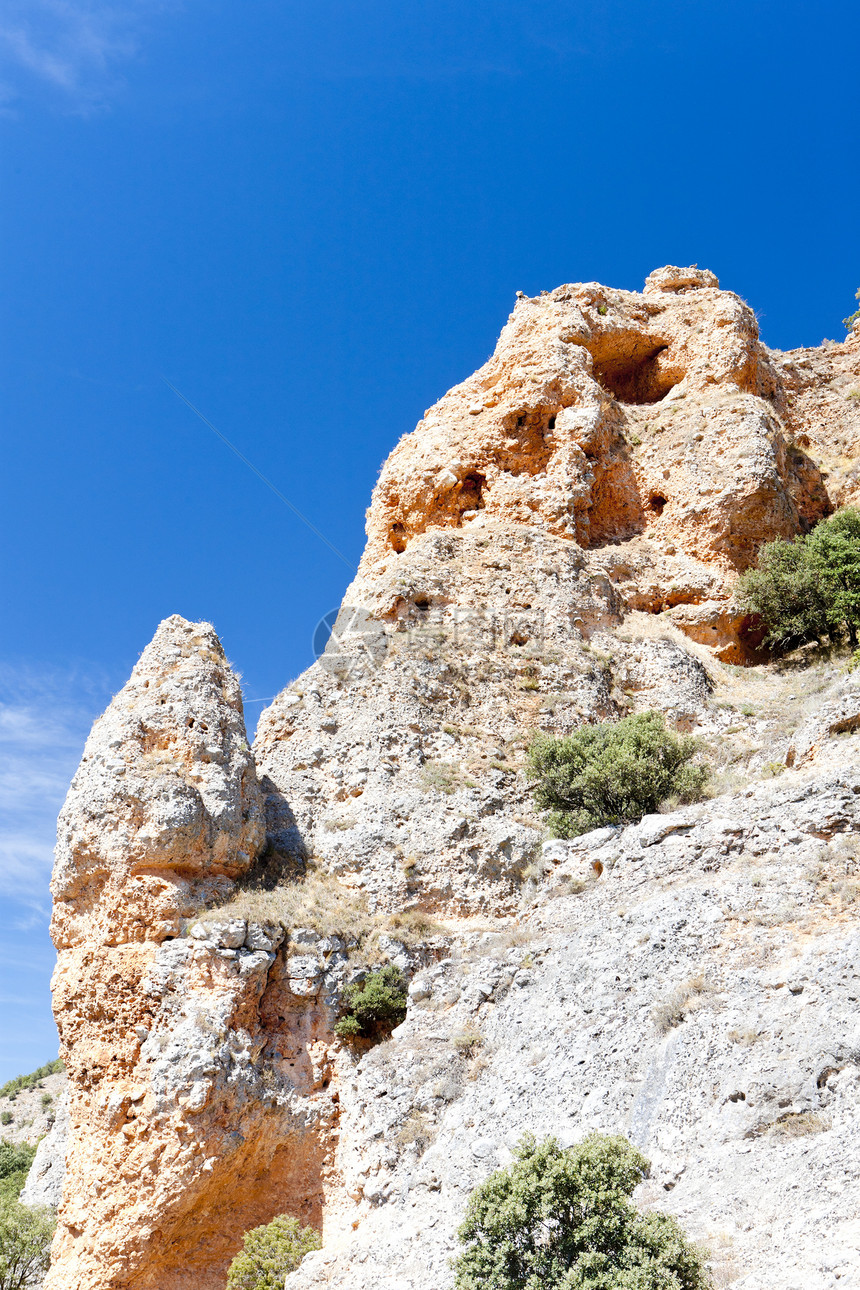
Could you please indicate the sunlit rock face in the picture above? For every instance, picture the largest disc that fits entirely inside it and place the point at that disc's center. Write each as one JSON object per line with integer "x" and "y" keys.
{"x": 556, "y": 543}
{"x": 182, "y": 1129}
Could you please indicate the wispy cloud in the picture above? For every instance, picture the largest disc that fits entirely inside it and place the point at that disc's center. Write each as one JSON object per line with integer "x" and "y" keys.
{"x": 75, "y": 47}
{"x": 45, "y": 717}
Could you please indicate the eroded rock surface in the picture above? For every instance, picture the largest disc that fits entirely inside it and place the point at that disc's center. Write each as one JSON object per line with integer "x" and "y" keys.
{"x": 180, "y": 1134}
{"x": 556, "y": 543}
{"x": 700, "y": 997}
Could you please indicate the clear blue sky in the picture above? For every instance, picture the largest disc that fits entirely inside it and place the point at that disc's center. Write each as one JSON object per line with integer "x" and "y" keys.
{"x": 312, "y": 219}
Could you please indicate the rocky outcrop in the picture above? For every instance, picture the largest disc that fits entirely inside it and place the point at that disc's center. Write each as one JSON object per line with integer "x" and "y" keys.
{"x": 555, "y": 543}
{"x": 549, "y": 546}
{"x": 700, "y": 997}
{"x": 185, "y": 1121}
{"x": 44, "y": 1184}
{"x": 604, "y": 415}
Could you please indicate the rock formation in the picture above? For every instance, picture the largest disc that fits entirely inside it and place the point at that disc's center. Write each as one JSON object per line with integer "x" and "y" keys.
{"x": 555, "y": 543}
{"x": 180, "y": 1132}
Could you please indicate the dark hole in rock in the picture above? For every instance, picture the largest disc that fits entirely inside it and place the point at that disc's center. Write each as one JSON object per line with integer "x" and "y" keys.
{"x": 656, "y": 503}
{"x": 635, "y": 376}
{"x": 550, "y": 425}
{"x": 471, "y": 489}
{"x": 397, "y": 537}
{"x": 422, "y": 604}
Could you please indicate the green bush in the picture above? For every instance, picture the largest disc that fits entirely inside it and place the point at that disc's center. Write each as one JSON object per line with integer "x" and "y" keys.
{"x": 852, "y": 318}
{"x": 611, "y": 773}
{"x": 15, "y": 1161}
{"x": 269, "y": 1253}
{"x": 807, "y": 589}
{"x": 375, "y": 1005}
{"x": 563, "y": 1220}
{"x": 25, "y": 1243}
{"x": 5, "y": 1117}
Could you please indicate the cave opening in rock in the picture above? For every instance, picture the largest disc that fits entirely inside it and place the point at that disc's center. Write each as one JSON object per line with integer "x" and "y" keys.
{"x": 471, "y": 490}
{"x": 632, "y": 369}
{"x": 657, "y": 503}
{"x": 397, "y": 537}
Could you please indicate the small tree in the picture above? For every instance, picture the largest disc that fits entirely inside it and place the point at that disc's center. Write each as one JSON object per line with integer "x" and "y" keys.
{"x": 563, "y": 1220}
{"x": 834, "y": 547}
{"x": 786, "y": 592}
{"x": 15, "y": 1161}
{"x": 852, "y": 318}
{"x": 611, "y": 773}
{"x": 809, "y": 588}
{"x": 376, "y": 1005}
{"x": 25, "y": 1243}
{"x": 269, "y": 1253}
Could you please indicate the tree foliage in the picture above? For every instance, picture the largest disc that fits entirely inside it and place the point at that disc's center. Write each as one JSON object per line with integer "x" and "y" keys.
{"x": 852, "y": 318}
{"x": 15, "y": 1161}
{"x": 611, "y": 773}
{"x": 269, "y": 1253}
{"x": 25, "y": 1243}
{"x": 563, "y": 1220}
{"x": 375, "y": 1005}
{"x": 807, "y": 589}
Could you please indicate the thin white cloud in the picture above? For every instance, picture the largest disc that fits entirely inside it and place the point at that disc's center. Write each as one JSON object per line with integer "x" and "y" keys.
{"x": 75, "y": 47}
{"x": 45, "y": 717}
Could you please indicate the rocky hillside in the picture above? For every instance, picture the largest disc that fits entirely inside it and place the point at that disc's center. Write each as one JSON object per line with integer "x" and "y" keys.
{"x": 555, "y": 543}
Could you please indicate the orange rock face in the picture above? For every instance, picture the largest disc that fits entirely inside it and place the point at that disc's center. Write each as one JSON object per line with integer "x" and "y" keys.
{"x": 606, "y": 416}
{"x": 189, "y": 1119}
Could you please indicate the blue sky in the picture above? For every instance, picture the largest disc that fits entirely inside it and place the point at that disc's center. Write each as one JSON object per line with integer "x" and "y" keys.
{"x": 312, "y": 219}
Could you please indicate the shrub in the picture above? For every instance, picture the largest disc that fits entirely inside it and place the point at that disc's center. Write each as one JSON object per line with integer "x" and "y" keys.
{"x": 5, "y": 1117}
{"x": 807, "y": 589}
{"x": 269, "y": 1253}
{"x": 25, "y": 1244}
{"x": 852, "y": 318}
{"x": 15, "y": 1161}
{"x": 611, "y": 773}
{"x": 563, "y": 1220}
{"x": 376, "y": 1005}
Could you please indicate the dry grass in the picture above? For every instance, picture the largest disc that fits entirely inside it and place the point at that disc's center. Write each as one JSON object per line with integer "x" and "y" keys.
{"x": 318, "y": 902}
{"x": 467, "y": 1042}
{"x": 443, "y": 777}
{"x": 682, "y": 1001}
{"x": 746, "y": 1038}
{"x": 799, "y": 1125}
{"x": 326, "y": 906}
{"x": 417, "y": 1131}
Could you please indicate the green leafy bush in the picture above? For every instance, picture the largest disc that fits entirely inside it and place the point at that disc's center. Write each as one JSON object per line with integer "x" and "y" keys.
{"x": 563, "y": 1220}
{"x": 25, "y": 1243}
{"x": 611, "y": 773}
{"x": 15, "y": 1161}
{"x": 807, "y": 589}
{"x": 852, "y": 318}
{"x": 375, "y": 1005}
{"x": 269, "y": 1253}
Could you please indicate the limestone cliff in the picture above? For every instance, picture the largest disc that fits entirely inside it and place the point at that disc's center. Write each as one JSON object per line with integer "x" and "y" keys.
{"x": 555, "y": 543}
{"x": 180, "y": 1132}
